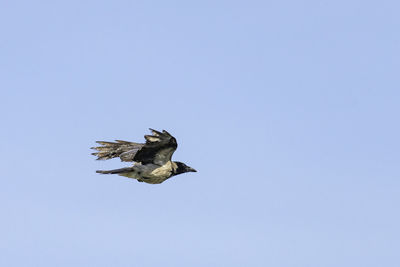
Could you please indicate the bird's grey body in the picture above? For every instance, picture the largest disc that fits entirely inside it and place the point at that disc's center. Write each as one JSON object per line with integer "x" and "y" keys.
{"x": 151, "y": 173}
{"x": 153, "y": 163}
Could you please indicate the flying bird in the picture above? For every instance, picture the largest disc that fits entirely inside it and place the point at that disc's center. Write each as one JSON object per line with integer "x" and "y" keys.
{"x": 152, "y": 160}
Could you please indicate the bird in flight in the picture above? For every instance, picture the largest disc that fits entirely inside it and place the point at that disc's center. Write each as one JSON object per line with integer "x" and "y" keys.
{"x": 152, "y": 160}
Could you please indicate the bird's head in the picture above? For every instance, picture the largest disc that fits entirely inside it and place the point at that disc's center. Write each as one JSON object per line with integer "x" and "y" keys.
{"x": 182, "y": 168}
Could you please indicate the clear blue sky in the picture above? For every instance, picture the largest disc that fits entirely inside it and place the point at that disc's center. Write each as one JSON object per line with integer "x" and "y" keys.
{"x": 289, "y": 110}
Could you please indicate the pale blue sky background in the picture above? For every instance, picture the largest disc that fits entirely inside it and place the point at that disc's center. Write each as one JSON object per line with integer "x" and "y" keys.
{"x": 288, "y": 109}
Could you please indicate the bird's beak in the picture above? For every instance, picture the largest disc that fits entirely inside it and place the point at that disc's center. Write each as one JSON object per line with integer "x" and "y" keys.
{"x": 190, "y": 169}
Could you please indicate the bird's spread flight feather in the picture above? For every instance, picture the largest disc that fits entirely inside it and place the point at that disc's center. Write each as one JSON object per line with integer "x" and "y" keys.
{"x": 158, "y": 149}
{"x": 123, "y": 149}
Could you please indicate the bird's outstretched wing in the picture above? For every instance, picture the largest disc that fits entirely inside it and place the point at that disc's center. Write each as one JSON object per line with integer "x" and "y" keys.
{"x": 158, "y": 149}
{"x": 125, "y": 150}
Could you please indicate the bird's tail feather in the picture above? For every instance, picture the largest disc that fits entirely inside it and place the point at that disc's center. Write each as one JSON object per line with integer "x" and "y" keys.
{"x": 124, "y": 149}
{"x": 116, "y": 171}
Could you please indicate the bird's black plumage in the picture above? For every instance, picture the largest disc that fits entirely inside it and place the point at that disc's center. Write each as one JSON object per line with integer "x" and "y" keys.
{"x": 158, "y": 147}
{"x": 152, "y": 160}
